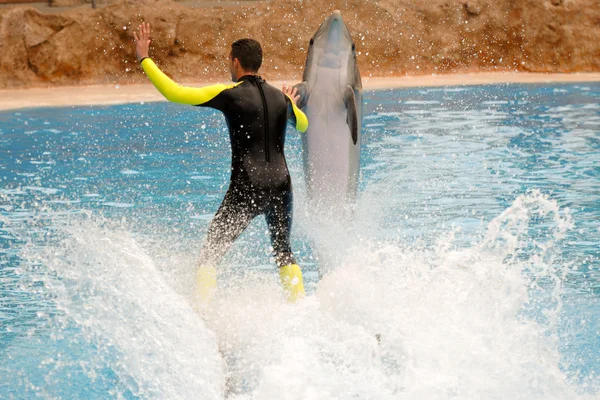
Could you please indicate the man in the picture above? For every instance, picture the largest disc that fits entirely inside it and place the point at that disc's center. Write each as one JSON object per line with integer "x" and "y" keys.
{"x": 256, "y": 115}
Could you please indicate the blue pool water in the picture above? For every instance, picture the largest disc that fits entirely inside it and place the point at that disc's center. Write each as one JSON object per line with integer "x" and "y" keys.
{"x": 474, "y": 256}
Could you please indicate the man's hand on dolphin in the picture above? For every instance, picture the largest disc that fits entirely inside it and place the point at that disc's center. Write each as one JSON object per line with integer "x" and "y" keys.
{"x": 292, "y": 92}
{"x": 142, "y": 42}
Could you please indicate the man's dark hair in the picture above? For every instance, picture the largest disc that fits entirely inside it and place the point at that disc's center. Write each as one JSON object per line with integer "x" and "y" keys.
{"x": 248, "y": 52}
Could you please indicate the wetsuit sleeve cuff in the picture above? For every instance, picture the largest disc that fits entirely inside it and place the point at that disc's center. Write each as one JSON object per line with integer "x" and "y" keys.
{"x": 143, "y": 59}
{"x": 301, "y": 119}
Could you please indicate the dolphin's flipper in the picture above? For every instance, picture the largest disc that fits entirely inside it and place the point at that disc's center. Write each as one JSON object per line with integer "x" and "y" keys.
{"x": 302, "y": 89}
{"x": 351, "y": 116}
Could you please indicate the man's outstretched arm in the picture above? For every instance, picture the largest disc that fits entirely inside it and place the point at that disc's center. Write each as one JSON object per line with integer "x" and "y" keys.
{"x": 165, "y": 85}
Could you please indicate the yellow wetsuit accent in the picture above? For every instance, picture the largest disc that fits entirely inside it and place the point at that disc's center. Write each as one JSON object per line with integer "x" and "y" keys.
{"x": 301, "y": 119}
{"x": 206, "y": 283}
{"x": 291, "y": 280}
{"x": 181, "y": 94}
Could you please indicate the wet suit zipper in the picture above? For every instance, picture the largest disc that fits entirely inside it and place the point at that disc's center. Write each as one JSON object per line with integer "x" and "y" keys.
{"x": 264, "y": 101}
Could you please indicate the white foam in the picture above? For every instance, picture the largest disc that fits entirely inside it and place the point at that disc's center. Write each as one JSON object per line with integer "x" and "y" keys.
{"x": 43, "y": 190}
{"x": 495, "y": 102}
{"x": 64, "y": 201}
{"x": 387, "y": 321}
{"x": 117, "y": 204}
{"x": 152, "y": 339}
{"x": 421, "y": 102}
{"x": 203, "y": 217}
{"x": 448, "y": 320}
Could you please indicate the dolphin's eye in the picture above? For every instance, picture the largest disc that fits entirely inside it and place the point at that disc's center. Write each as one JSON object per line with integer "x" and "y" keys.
{"x": 353, "y": 47}
{"x": 312, "y": 41}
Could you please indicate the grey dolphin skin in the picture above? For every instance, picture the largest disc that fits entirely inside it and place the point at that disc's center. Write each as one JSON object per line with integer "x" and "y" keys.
{"x": 331, "y": 97}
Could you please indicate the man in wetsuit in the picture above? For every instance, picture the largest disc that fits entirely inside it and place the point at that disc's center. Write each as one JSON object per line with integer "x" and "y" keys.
{"x": 256, "y": 115}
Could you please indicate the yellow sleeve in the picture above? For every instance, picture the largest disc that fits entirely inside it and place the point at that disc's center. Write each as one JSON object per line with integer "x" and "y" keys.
{"x": 301, "y": 119}
{"x": 180, "y": 94}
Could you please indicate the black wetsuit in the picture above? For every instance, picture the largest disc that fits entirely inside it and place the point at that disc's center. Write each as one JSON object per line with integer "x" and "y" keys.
{"x": 257, "y": 115}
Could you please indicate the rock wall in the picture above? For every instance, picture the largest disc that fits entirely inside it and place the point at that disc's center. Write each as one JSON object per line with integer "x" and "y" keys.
{"x": 394, "y": 37}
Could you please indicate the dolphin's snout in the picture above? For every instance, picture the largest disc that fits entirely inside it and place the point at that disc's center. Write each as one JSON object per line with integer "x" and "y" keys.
{"x": 333, "y": 36}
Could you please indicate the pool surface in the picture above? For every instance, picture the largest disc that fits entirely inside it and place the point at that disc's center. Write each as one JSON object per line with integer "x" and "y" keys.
{"x": 471, "y": 269}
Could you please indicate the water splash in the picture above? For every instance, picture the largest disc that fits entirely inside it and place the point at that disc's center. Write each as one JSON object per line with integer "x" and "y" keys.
{"x": 398, "y": 322}
{"x": 102, "y": 280}
{"x": 391, "y": 321}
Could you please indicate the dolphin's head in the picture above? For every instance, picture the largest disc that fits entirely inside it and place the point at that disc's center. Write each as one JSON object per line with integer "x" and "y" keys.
{"x": 333, "y": 37}
{"x": 331, "y": 47}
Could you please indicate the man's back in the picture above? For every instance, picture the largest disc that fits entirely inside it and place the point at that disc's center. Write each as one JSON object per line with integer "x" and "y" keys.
{"x": 256, "y": 115}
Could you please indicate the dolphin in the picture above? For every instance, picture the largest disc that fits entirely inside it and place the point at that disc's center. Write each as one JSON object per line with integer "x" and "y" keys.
{"x": 331, "y": 97}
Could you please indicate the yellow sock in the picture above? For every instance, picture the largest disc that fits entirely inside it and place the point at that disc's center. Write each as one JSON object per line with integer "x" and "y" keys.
{"x": 291, "y": 279}
{"x": 206, "y": 283}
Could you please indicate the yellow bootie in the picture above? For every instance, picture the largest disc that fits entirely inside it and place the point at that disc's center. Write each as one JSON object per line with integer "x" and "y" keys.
{"x": 206, "y": 283}
{"x": 291, "y": 279}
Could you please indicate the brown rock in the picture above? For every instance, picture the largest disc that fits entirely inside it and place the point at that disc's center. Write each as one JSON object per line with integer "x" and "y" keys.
{"x": 65, "y": 3}
{"x": 473, "y": 7}
{"x": 393, "y": 37}
{"x": 52, "y": 63}
{"x": 38, "y": 28}
{"x": 551, "y": 33}
{"x": 14, "y": 66}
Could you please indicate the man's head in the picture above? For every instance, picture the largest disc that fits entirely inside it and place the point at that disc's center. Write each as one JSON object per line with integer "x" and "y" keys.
{"x": 245, "y": 58}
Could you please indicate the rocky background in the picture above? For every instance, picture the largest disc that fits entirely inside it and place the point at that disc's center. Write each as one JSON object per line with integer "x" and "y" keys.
{"x": 393, "y": 38}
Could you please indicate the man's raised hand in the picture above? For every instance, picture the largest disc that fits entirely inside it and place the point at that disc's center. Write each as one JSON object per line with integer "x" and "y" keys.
{"x": 142, "y": 41}
{"x": 291, "y": 92}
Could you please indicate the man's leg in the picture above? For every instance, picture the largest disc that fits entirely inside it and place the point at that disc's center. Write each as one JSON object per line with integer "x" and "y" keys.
{"x": 234, "y": 215}
{"x": 279, "y": 221}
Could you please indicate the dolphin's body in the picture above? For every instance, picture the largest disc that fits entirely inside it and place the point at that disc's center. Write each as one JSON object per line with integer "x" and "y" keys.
{"x": 331, "y": 97}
